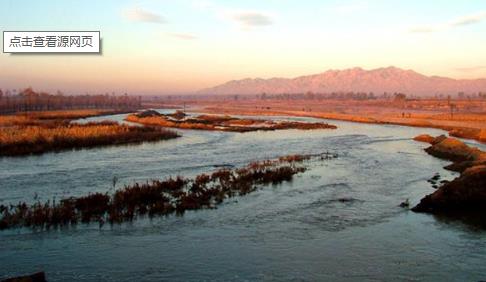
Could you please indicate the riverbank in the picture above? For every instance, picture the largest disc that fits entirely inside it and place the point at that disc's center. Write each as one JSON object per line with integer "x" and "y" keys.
{"x": 41, "y": 132}
{"x": 332, "y": 208}
{"x": 463, "y": 124}
{"x": 36, "y": 118}
{"x": 467, "y": 192}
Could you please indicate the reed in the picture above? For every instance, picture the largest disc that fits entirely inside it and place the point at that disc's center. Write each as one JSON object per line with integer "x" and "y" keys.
{"x": 56, "y": 136}
{"x": 159, "y": 197}
{"x": 36, "y": 118}
{"x": 13, "y": 120}
{"x": 71, "y": 114}
{"x": 223, "y": 123}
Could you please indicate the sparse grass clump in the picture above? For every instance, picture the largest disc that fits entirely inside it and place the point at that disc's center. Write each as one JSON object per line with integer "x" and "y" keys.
{"x": 172, "y": 195}
{"x": 294, "y": 158}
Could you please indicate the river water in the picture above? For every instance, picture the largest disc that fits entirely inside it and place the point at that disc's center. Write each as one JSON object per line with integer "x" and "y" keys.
{"x": 293, "y": 231}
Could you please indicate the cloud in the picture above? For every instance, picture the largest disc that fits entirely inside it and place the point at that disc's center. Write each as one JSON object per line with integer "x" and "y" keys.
{"x": 470, "y": 19}
{"x": 251, "y": 19}
{"x": 461, "y": 21}
{"x": 247, "y": 19}
{"x": 182, "y": 36}
{"x": 140, "y": 15}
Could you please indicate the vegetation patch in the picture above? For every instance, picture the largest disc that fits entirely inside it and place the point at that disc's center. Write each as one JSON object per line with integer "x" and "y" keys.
{"x": 57, "y": 136}
{"x": 220, "y": 122}
{"x": 159, "y": 197}
{"x": 40, "y": 132}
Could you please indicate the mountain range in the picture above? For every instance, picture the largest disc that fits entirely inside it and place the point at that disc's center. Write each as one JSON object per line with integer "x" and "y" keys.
{"x": 390, "y": 79}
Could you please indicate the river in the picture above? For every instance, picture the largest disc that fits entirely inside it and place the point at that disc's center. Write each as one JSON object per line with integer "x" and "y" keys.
{"x": 297, "y": 230}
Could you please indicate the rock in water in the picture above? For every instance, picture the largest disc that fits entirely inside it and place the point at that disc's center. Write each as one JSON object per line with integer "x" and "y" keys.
{"x": 148, "y": 113}
{"x": 450, "y": 149}
{"x": 178, "y": 115}
{"x": 424, "y": 138}
{"x": 465, "y": 193}
{"x": 36, "y": 277}
{"x": 405, "y": 204}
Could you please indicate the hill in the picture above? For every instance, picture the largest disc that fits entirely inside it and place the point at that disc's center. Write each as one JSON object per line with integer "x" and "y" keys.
{"x": 390, "y": 79}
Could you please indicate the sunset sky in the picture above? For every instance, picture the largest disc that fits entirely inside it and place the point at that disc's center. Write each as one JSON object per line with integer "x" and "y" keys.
{"x": 180, "y": 46}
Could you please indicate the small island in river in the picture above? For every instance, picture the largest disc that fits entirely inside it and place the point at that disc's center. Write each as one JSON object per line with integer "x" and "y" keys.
{"x": 219, "y": 122}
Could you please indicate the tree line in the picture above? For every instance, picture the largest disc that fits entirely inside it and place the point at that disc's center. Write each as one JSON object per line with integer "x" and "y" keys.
{"x": 359, "y": 96}
{"x": 333, "y": 95}
{"x": 30, "y": 100}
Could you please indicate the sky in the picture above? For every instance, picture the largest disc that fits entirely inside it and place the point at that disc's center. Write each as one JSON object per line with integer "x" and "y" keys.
{"x": 181, "y": 46}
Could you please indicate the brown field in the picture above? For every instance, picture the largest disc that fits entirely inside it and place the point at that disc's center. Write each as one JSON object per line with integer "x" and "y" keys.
{"x": 52, "y": 131}
{"x": 467, "y": 121}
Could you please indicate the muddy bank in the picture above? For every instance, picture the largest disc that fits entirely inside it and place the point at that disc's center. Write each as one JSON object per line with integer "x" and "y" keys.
{"x": 219, "y": 122}
{"x": 464, "y": 194}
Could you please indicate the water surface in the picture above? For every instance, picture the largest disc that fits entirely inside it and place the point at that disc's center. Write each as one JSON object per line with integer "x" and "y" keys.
{"x": 293, "y": 231}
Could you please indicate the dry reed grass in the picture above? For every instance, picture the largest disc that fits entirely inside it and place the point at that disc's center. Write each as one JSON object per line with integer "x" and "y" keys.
{"x": 224, "y": 123}
{"x": 35, "y": 118}
{"x": 55, "y": 136}
{"x": 39, "y": 132}
{"x": 173, "y": 195}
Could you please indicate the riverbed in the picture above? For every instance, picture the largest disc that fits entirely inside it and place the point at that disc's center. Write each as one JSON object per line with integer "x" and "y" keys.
{"x": 339, "y": 220}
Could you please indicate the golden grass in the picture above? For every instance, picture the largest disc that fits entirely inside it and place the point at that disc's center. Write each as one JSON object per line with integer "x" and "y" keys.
{"x": 482, "y": 135}
{"x": 167, "y": 123}
{"x": 17, "y": 120}
{"x": 39, "y": 132}
{"x": 34, "y": 139}
{"x": 70, "y": 114}
{"x": 458, "y": 117}
{"x": 36, "y": 118}
{"x": 34, "y": 134}
{"x": 225, "y": 123}
{"x": 468, "y": 121}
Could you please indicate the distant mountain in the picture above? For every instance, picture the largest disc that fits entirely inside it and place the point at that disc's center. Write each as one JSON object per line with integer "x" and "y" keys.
{"x": 380, "y": 80}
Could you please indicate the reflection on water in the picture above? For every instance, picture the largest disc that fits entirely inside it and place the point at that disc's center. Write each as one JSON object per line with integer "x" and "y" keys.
{"x": 337, "y": 221}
